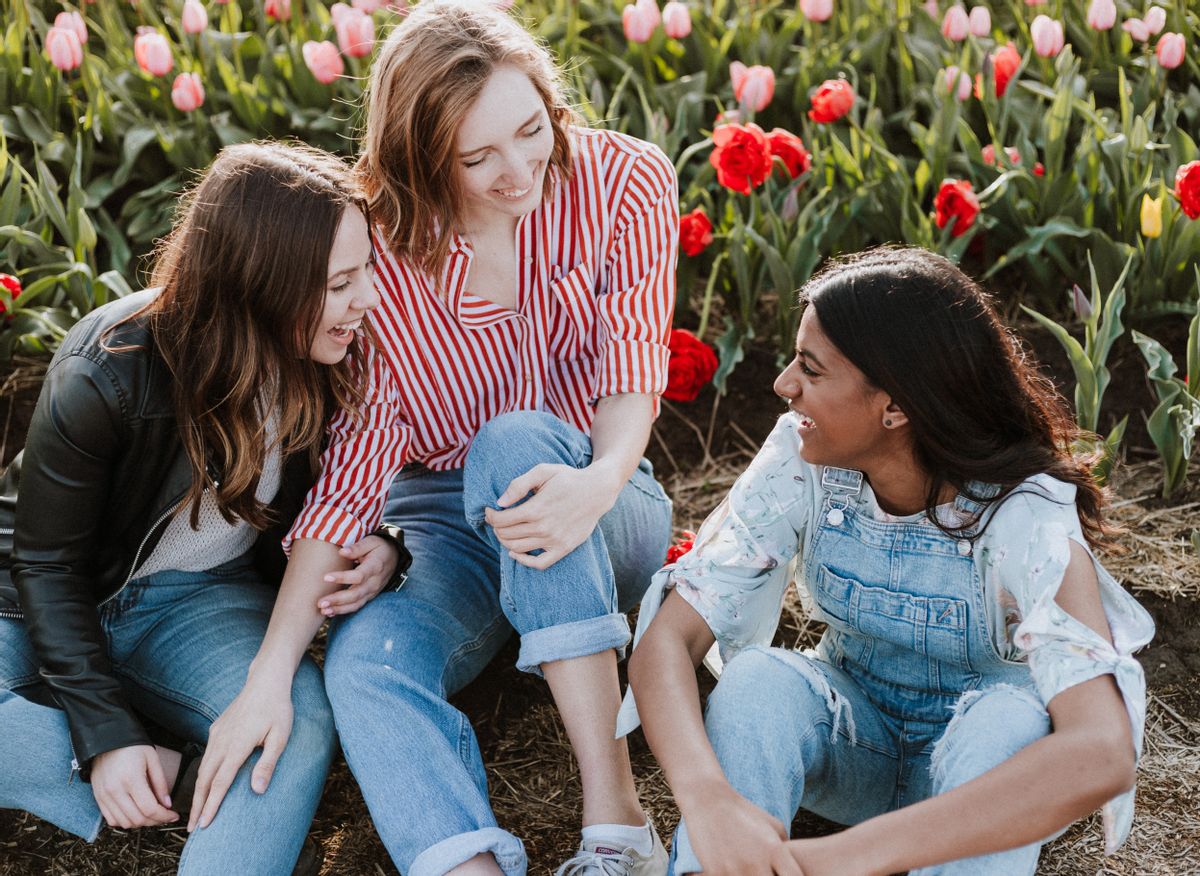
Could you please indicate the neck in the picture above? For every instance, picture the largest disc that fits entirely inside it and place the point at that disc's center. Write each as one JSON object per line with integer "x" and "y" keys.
{"x": 901, "y": 484}
{"x": 482, "y": 227}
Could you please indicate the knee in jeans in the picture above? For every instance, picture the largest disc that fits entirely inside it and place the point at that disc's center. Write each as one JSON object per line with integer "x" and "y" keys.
{"x": 511, "y": 444}
{"x": 988, "y": 727}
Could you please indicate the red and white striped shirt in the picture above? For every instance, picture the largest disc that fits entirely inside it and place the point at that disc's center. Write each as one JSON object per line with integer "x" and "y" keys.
{"x": 595, "y": 293}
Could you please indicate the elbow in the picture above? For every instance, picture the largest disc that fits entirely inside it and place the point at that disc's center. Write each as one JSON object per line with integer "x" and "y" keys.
{"x": 1111, "y": 767}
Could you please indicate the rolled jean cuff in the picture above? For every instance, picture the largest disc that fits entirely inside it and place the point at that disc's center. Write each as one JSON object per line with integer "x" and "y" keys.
{"x": 456, "y": 850}
{"x": 574, "y": 639}
{"x": 683, "y": 860}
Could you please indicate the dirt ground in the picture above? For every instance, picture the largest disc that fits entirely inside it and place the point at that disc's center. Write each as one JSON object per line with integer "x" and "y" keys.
{"x": 697, "y": 450}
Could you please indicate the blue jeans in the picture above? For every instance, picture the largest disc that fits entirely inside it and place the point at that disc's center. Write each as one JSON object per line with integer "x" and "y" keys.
{"x": 792, "y": 732}
{"x": 391, "y": 666}
{"x": 181, "y": 644}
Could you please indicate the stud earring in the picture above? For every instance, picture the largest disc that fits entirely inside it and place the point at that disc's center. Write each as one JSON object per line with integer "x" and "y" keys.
{"x": 887, "y": 423}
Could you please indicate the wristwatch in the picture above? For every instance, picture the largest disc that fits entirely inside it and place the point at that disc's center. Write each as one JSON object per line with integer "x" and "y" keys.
{"x": 394, "y": 534}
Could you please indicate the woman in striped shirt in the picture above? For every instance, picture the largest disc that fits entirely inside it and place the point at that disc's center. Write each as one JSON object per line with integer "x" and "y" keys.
{"x": 526, "y": 270}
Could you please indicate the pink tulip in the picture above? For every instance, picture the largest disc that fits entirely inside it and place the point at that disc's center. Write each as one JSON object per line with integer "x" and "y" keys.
{"x": 280, "y": 10}
{"x": 1170, "y": 50}
{"x": 1136, "y": 28}
{"x": 152, "y": 52}
{"x": 677, "y": 20}
{"x": 367, "y": 7}
{"x": 1156, "y": 19}
{"x": 195, "y": 17}
{"x": 955, "y": 24}
{"x": 1102, "y": 14}
{"x": 355, "y": 30}
{"x": 187, "y": 93}
{"x": 1036, "y": 2}
{"x": 649, "y": 8}
{"x": 1047, "y": 36}
{"x": 323, "y": 61}
{"x": 980, "y": 21}
{"x": 931, "y": 8}
{"x": 638, "y": 25}
{"x": 817, "y": 10}
{"x": 72, "y": 21}
{"x": 956, "y": 82}
{"x": 63, "y": 48}
{"x": 753, "y": 87}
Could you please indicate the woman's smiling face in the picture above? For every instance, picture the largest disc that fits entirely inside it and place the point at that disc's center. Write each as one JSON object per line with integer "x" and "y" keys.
{"x": 503, "y": 148}
{"x": 842, "y": 414}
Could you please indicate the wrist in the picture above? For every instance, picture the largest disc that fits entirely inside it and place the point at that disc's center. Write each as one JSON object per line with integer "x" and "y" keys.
{"x": 699, "y": 789}
{"x": 608, "y": 479}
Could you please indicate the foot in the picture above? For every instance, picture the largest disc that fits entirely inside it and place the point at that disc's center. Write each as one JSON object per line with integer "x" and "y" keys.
{"x": 598, "y": 858}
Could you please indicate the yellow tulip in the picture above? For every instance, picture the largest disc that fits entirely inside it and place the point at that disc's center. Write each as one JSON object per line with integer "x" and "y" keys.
{"x": 1151, "y": 216}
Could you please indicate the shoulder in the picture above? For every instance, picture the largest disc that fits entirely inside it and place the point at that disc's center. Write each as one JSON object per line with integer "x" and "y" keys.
{"x": 1038, "y": 501}
{"x": 622, "y": 161}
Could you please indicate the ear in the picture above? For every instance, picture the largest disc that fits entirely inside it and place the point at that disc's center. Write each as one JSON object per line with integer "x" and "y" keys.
{"x": 893, "y": 416}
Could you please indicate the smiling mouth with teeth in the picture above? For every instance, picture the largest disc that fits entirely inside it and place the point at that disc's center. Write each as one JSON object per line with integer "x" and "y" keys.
{"x": 513, "y": 194}
{"x": 345, "y": 329}
{"x": 806, "y": 422}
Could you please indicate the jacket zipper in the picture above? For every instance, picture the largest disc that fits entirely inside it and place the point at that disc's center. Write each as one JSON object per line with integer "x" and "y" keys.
{"x": 9, "y": 613}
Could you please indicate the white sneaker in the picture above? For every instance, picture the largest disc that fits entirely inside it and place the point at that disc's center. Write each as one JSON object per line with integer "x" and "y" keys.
{"x": 596, "y": 858}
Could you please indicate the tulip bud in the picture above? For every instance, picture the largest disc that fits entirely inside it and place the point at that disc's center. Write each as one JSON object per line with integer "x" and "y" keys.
{"x": 280, "y": 10}
{"x": 1102, "y": 14}
{"x": 1151, "y": 216}
{"x": 72, "y": 21}
{"x": 1136, "y": 28}
{"x": 1170, "y": 50}
{"x": 677, "y": 21}
{"x": 1047, "y": 36}
{"x": 63, "y": 48}
{"x": 13, "y": 286}
{"x": 367, "y": 7}
{"x": 355, "y": 30}
{"x": 1155, "y": 19}
{"x": 195, "y": 17}
{"x": 1081, "y": 303}
{"x": 817, "y": 10}
{"x": 323, "y": 60}
{"x": 956, "y": 25}
{"x": 956, "y": 82}
{"x": 638, "y": 25}
{"x": 980, "y": 21}
{"x": 649, "y": 8}
{"x": 753, "y": 87}
{"x": 152, "y": 52}
{"x": 187, "y": 93}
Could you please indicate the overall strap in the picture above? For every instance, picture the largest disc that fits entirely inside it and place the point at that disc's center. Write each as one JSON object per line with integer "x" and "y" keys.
{"x": 840, "y": 486}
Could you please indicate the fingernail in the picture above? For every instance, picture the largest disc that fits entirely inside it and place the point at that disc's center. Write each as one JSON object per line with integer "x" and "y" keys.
{"x": 167, "y": 801}
{"x": 328, "y": 579}
{"x": 323, "y": 605}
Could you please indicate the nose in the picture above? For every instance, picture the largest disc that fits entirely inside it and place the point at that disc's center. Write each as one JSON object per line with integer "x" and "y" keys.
{"x": 518, "y": 169}
{"x": 787, "y": 385}
{"x": 367, "y": 297}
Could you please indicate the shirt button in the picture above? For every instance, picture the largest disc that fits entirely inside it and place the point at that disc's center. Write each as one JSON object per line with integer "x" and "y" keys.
{"x": 529, "y": 378}
{"x": 964, "y": 548}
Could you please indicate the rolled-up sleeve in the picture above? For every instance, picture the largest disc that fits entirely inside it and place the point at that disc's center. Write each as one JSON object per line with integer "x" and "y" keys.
{"x": 639, "y": 297}
{"x": 365, "y": 450}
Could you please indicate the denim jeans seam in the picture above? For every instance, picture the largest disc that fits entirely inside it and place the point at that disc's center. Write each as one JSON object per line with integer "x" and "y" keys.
{"x": 15, "y": 685}
{"x": 470, "y": 647}
{"x": 177, "y": 697}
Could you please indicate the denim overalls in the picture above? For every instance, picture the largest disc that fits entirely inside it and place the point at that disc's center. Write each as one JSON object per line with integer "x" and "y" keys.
{"x": 905, "y": 696}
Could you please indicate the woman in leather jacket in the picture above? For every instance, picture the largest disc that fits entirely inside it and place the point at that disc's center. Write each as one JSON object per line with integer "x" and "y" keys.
{"x": 175, "y": 437}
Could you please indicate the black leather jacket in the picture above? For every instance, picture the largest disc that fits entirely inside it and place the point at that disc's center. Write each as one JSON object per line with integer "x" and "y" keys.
{"x": 101, "y": 471}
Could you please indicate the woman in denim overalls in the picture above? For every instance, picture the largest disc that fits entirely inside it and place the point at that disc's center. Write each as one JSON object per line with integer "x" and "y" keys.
{"x": 973, "y": 693}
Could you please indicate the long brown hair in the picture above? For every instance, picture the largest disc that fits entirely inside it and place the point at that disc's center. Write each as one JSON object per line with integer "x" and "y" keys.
{"x": 423, "y": 82}
{"x": 926, "y": 334}
{"x": 243, "y": 276}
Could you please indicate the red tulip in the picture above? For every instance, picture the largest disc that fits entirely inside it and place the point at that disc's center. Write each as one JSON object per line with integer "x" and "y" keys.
{"x": 63, "y": 48}
{"x": 741, "y": 157}
{"x": 187, "y": 93}
{"x": 13, "y": 285}
{"x": 956, "y": 202}
{"x": 323, "y": 60}
{"x": 695, "y": 232}
{"x": 152, "y": 52}
{"x": 682, "y": 545}
{"x": 1187, "y": 188}
{"x": 832, "y": 100}
{"x": 789, "y": 149}
{"x": 1005, "y": 62}
{"x": 753, "y": 87}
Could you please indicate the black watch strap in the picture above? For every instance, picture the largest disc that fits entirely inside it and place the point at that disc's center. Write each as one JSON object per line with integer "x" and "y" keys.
{"x": 394, "y": 534}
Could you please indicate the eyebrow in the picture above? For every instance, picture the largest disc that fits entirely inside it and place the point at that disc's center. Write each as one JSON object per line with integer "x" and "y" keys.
{"x": 529, "y": 121}
{"x": 352, "y": 268}
{"x": 809, "y": 357}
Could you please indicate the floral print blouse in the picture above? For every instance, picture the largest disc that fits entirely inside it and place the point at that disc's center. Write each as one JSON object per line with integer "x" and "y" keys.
{"x": 747, "y": 551}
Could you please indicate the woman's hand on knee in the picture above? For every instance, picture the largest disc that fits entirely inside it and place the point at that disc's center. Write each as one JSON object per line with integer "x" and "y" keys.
{"x": 131, "y": 789}
{"x": 733, "y": 837}
{"x": 566, "y": 505}
{"x": 375, "y": 562}
{"x": 260, "y": 717}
